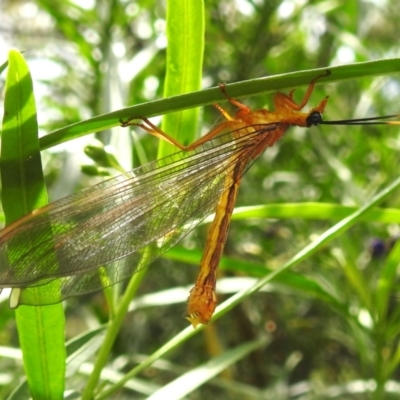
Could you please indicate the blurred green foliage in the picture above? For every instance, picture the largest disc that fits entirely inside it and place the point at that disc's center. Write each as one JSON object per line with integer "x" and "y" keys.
{"x": 100, "y": 56}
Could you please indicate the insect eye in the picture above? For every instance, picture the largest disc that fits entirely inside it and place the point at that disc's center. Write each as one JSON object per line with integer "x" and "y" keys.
{"x": 315, "y": 118}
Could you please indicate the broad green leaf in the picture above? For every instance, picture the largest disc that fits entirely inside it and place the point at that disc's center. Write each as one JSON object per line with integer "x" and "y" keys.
{"x": 185, "y": 33}
{"x": 40, "y": 329}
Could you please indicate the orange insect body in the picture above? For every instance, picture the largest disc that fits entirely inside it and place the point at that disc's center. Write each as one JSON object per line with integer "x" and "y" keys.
{"x": 270, "y": 126}
{"x": 77, "y": 240}
{"x": 203, "y": 300}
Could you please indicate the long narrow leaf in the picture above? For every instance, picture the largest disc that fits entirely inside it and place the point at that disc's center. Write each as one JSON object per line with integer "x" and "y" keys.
{"x": 184, "y": 68}
{"x": 40, "y": 329}
{"x": 185, "y": 31}
{"x": 187, "y": 383}
{"x": 213, "y": 95}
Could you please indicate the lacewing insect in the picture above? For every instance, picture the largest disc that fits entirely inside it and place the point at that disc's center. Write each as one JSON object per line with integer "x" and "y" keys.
{"x": 77, "y": 244}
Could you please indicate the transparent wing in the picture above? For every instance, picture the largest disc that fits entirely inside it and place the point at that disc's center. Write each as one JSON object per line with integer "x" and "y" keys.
{"x": 157, "y": 204}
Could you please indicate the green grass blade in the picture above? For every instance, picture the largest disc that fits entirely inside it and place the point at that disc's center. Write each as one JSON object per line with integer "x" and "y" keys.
{"x": 180, "y": 78}
{"x": 187, "y": 383}
{"x": 185, "y": 33}
{"x": 40, "y": 329}
{"x": 209, "y": 96}
{"x": 315, "y": 211}
{"x": 3, "y": 67}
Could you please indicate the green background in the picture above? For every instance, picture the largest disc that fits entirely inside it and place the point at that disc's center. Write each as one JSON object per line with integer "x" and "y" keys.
{"x": 325, "y": 327}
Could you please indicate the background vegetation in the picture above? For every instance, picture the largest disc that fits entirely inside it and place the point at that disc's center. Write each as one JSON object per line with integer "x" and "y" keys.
{"x": 325, "y": 328}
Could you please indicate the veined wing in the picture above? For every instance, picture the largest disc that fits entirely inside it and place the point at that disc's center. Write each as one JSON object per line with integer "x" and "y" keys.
{"x": 158, "y": 203}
